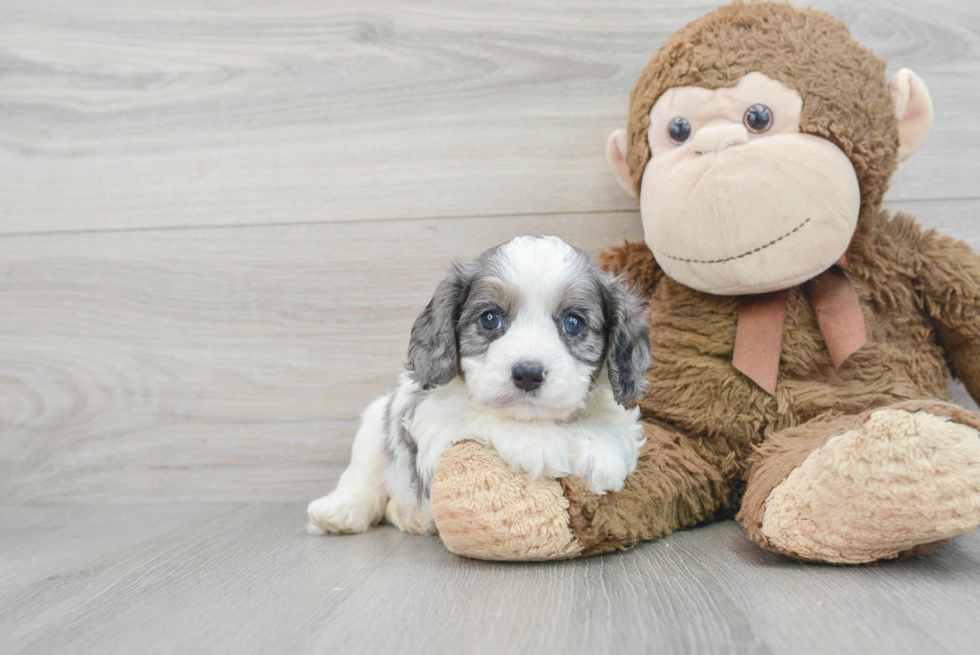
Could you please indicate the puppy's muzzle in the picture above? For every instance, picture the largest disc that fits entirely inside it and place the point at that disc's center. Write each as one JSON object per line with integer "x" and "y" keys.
{"x": 527, "y": 376}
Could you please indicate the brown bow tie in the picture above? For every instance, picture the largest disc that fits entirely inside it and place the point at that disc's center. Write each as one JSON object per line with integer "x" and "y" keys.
{"x": 759, "y": 335}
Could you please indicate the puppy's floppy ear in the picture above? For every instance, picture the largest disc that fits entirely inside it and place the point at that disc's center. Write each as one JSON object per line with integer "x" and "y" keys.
{"x": 628, "y": 348}
{"x": 433, "y": 350}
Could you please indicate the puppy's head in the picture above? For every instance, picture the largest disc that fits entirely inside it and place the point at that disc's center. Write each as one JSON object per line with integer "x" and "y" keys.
{"x": 533, "y": 326}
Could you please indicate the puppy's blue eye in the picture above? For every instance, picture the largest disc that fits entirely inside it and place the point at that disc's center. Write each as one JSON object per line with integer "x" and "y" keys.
{"x": 490, "y": 320}
{"x": 573, "y": 325}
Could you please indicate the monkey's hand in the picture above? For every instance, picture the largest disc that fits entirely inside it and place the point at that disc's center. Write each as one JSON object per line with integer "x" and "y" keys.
{"x": 949, "y": 279}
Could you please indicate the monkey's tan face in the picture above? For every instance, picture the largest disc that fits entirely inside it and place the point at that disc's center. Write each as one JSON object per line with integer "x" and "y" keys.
{"x": 735, "y": 199}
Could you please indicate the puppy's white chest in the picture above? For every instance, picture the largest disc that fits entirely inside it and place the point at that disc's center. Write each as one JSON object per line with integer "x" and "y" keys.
{"x": 600, "y": 444}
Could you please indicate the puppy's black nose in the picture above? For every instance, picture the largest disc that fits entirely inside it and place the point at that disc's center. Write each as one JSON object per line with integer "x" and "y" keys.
{"x": 527, "y": 376}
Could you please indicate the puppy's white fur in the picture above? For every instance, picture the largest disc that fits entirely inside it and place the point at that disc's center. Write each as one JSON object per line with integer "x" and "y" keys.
{"x": 571, "y": 425}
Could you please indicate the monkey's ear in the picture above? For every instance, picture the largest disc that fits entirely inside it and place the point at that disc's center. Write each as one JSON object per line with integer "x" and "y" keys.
{"x": 913, "y": 109}
{"x": 616, "y": 154}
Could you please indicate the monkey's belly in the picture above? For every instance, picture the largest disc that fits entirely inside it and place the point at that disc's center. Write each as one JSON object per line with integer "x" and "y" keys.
{"x": 696, "y": 389}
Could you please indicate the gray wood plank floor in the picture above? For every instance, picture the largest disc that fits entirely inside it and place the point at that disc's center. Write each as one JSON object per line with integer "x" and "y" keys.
{"x": 217, "y": 223}
{"x": 247, "y": 579}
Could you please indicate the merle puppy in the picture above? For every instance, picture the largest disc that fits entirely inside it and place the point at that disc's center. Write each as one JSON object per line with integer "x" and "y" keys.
{"x": 530, "y": 349}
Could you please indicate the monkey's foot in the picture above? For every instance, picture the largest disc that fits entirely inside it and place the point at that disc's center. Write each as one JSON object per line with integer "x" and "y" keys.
{"x": 486, "y": 510}
{"x": 898, "y": 481}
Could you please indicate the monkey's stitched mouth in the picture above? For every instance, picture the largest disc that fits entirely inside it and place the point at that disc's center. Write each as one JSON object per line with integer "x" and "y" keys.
{"x": 744, "y": 254}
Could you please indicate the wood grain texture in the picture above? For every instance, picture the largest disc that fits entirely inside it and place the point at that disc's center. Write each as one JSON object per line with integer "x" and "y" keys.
{"x": 123, "y": 114}
{"x": 246, "y": 579}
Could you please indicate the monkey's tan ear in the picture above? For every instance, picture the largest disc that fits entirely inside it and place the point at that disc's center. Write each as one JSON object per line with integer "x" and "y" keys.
{"x": 913, "y": 109}
{"x": 616, "y": 154}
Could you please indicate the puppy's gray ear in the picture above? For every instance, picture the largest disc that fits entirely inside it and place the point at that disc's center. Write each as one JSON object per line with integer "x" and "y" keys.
{"x": 433, "y": 351}
{"x": 628, "y": 347}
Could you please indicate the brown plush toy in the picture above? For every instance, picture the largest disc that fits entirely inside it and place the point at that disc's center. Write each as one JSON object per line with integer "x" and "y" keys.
{"x": 801, "y": 335}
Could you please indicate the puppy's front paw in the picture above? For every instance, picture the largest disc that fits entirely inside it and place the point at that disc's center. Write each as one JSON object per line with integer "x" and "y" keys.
{"x": 603, "y": 468}
{"x": 542, "y": 453}
{"x": 339, "y": 513}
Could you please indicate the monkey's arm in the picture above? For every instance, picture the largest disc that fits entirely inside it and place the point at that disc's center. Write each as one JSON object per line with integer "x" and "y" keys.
{"x": 948, "y": 277}
{"x": 635, "y": 263}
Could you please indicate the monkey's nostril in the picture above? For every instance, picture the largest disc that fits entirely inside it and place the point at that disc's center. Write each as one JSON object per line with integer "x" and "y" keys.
{"x": 527, "y": 376}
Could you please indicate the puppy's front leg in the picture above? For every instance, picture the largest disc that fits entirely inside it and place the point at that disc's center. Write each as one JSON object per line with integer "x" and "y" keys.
{"x": 539, "y": 450}
{"x": 605, "y": 448}
{"x": 360, "y": 498}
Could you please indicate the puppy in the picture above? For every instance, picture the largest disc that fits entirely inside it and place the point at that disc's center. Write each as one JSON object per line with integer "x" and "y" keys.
{"x": 530, "y": 349}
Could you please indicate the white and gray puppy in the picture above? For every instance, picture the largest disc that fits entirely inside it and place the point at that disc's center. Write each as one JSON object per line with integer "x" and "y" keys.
{"x": 530, "y": 349}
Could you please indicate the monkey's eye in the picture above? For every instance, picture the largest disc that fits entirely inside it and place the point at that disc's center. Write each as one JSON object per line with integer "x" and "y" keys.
{"x": 758, "y": 118}
{"x": 679, "y": 130}
{"x": 490, "y": 321}
{"x": 573, "y": 325}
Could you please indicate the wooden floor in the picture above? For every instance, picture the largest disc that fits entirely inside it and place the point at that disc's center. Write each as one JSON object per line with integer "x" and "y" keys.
{"x": 217, "y": 223}
{"x": 246, "y": 578}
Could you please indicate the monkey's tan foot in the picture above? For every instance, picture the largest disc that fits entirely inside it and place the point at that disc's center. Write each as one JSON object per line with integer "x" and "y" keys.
{"x": 485, "y": 510}
{"x": 895, "y": 481}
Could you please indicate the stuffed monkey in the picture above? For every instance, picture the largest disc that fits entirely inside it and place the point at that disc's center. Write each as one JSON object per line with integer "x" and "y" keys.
{"x": 801, "y": 336}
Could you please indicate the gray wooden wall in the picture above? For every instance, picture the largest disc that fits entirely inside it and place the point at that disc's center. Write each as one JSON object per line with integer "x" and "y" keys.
{"x": 219, "y": 219}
